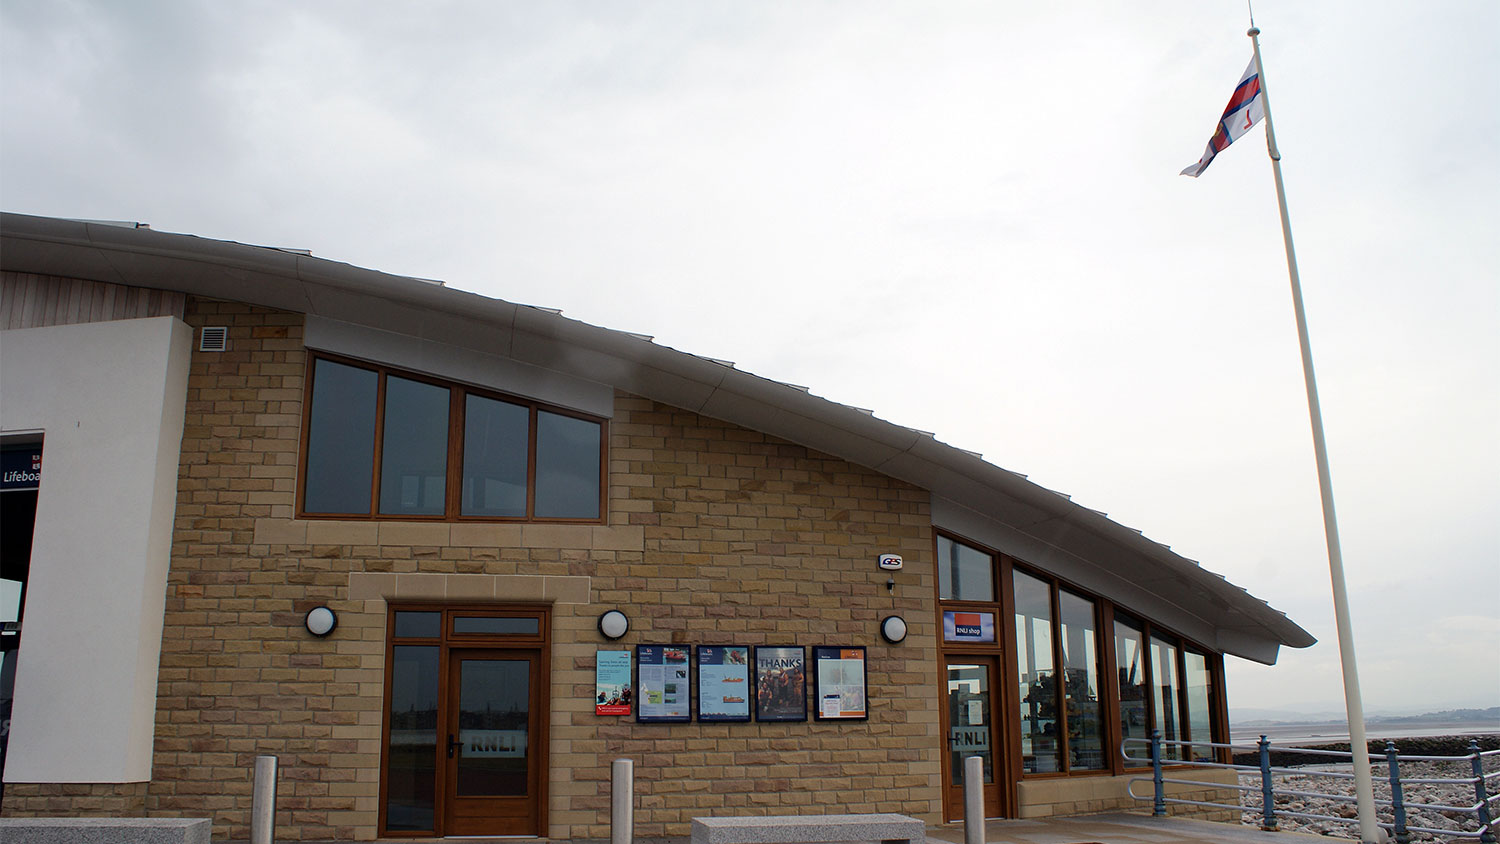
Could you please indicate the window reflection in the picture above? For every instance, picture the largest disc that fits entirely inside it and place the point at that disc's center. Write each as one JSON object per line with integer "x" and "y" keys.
{"x": 1040, "y": 750}
{"x": 340, "y": 439}
{"x": 964, "y": 573}
{"x": 1198, "y": 681}
{"x": 495, "y": 446}
{"x": 1080, "y": 644}
{"x": 1130, "y": 660}
{"x": 411, "y": 756}
{"x": 414, "y": 449}
{"x": 1165, "y": 686}
{"x": 567, "y": 467}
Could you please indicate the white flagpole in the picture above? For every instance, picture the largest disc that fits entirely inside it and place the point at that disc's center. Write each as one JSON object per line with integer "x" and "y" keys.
{"x": 1369, "y": 832}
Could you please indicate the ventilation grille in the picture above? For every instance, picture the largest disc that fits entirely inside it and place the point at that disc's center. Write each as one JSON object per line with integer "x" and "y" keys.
{"x": 213, "y": 338}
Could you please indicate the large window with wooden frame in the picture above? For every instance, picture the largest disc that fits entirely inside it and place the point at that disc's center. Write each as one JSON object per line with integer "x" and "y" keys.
{"x": 382, "y": 443}
{"x": 1058, "y": 667}
{"x": 1167, "y": 685}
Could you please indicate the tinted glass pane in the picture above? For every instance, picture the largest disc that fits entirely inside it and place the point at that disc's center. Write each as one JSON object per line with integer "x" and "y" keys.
{"x": 414, "y": 452}
{"x": 495, "y": 444}
{"x": 567, "y": 467}
{"x": 496, "y": 626}
{"x": 412, "y": 755}
{"x": 964, "y": 573}
{"x": 1080, "y": 644}
{"x": 419, "y": 624}
{"x": 1164, "y": 695}
{"x": 1198, "y": 680}
{"x": 1040, "y": 747}
{"x": 493, "y": 725}
{"x": 1130, "y": 660}
{"x": 340, "y": 439}
{"x": 969, "y": 732}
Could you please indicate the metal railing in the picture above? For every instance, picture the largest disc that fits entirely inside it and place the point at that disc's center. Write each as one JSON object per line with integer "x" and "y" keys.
{"x": 1482, "y": 808}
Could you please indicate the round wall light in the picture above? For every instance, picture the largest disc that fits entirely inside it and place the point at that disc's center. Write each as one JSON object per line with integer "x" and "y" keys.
{"x": 320, "y": 621}
{"x": 893, "y": 629}
{"x": 613, "y": 624}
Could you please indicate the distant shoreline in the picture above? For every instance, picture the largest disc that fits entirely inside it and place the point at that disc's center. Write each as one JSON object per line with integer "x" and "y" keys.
{"x": 1330, "y": 732}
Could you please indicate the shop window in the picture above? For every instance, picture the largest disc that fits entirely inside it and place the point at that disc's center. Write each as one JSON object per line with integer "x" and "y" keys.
{"x": 1198, "y": 687}
{"x": 1079, "y": 639}
{"x": 1165, "y": 689}
{"x": 1130, "y": 665}
{"x": 394, "y": 445}
{"x": 1041, "y": 744}
{"x": 964, "y": 573}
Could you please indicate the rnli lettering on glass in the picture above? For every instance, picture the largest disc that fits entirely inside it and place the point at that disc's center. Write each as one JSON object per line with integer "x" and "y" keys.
{"x": 22, "y": 469}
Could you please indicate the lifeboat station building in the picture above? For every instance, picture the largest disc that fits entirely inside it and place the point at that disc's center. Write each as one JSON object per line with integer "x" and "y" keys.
{"x": 447, "y": 557}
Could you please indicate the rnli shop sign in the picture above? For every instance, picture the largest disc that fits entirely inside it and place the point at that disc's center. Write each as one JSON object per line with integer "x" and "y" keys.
{"x": 22, "y": 469}
{"x": 960, "y": 626}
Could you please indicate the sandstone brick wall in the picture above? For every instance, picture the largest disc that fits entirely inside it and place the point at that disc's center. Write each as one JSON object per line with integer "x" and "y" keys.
{"x": 715, "y": 535}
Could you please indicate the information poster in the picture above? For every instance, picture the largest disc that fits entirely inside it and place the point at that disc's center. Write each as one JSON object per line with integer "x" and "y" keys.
{"x": 723, "y": 683}
{"x": 663, "y": 688}
{"x": 780, "y": 684}
{"x": 612, "y": 683}
{"x": 839, "y": 684}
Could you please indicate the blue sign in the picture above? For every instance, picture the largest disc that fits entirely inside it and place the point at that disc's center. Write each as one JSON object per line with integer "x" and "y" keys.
{"x": 21, "y": 468}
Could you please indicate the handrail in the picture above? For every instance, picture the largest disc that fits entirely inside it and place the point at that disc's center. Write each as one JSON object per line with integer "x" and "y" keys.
{"x": 1486, "y": 827}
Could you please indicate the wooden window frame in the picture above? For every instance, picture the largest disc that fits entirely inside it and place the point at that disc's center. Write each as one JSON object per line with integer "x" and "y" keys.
{"x": 1104, "y": 615}
{"x": 454, "y": 466}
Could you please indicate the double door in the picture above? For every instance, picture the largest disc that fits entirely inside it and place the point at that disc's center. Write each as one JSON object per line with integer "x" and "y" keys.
{"x": 466, "y": 735}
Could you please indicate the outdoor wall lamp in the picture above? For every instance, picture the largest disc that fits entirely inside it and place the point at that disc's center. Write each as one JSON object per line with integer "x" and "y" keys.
{"x": 320, "y": 621}
{"x": 893, "y": 629}
{"x": 613, "y": 624}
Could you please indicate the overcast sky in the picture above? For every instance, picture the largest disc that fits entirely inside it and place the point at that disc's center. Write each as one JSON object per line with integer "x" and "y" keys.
{"x": 966, "y": 216}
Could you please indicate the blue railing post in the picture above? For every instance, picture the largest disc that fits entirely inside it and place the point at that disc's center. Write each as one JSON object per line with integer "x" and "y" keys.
{"x": 1486, "y": 834}
{"x": 1392, "y": 759}
{"x": 1159, "y": 802}
{"x": 1267, "y": 797}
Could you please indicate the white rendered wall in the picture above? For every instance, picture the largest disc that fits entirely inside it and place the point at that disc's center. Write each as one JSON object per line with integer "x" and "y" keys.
{"x": 108, "y": 398}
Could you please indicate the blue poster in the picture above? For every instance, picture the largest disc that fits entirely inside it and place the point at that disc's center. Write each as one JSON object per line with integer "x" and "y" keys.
{"x": 723, "y": 683}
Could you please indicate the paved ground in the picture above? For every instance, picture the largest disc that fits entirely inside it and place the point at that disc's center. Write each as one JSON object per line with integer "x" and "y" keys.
{"x": 1121, "y": 828}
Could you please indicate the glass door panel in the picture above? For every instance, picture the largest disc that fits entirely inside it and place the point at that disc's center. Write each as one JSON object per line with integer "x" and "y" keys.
{"x": 493, "y": 783}
{"x": 969, "y": 689}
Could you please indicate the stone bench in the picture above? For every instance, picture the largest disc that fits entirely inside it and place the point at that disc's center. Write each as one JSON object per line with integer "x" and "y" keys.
{"x": 105, "y": 830}
{"x": 808, "y": 829}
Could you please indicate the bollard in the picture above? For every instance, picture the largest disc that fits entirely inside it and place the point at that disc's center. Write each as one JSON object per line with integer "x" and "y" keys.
{"x": 1486, "y": 834}
{"x": 263, "y": 802}
{"x": 974, "y": 800}
{"x": 1159, "y": 800}
{"x": 1267, "y": 795}
{"x": 1398, "y": 806}
{"x": 622, "y": 802}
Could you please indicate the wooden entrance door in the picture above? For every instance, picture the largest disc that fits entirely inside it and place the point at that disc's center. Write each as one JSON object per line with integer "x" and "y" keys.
{"x": 971, "y": 697}
{"x": 494, "y": 767}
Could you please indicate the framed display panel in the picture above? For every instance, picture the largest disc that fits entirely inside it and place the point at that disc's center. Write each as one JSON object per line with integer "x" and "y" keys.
{"x": 780, "y": 683}
{"x": 723, "y": 683}
{"x": 839, "y": 684}
{"x": 612, "y": 691}
{"x": 663, "y": 685}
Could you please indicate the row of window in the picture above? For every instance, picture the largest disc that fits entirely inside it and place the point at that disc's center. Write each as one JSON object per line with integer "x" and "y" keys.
{"x": 1061, "y": 662}
{"x": 385, "y": 443}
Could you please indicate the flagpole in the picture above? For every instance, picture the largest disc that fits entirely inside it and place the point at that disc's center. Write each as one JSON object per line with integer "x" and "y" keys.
{"x": 1369, "y": 832}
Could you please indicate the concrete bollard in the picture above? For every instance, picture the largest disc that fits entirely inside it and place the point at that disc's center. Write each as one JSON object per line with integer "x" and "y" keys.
{"x": 263, "y": 802}
{"x": 622, "y": 802}
{"x": 974, "y": 800}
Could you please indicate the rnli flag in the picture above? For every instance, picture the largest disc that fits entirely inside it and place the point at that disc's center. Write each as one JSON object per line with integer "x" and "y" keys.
{"x": 1246, "y": 108}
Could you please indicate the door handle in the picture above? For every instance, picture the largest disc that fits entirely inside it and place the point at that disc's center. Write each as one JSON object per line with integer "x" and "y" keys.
{"x": 452, "y": 744}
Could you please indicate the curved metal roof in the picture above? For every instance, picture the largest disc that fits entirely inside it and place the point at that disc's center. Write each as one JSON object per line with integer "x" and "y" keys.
{"x": 999, "y": 506}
